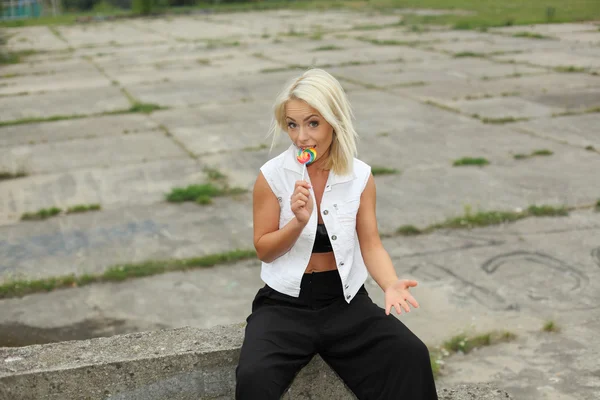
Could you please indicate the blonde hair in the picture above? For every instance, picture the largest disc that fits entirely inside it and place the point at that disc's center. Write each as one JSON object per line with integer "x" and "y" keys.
{"x": 324, "y": 93}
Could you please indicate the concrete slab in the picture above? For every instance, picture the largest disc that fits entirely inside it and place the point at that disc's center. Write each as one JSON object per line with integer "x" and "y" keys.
{"x": 499, "y": 44}
{"x": 558, "y": 28}
{"x": 58, "y": 131}
{"x": 93, "y": 242}
{"x": 388, "y": 75}
{"x": 506, "y": 184}
{"x": 243, "y": 167}
{"x": 305, "y": 21}
{"x": 525, "y": 85}
{"x": 214, "y": 114}
{"x": 553, "y": 59}
{"x": 578, "y": 130}
{"x": 192, "y": 70}
{"x": 581, "y": 99}
{"x": 40, "y": 38}
{"x": 189, "y": 28}
{"x": 66, "y": 65}
{"x": 581, "y": 37}
{"x": 91, "y": 152}
{"x": 115, "y": 34}
{"x": 221, "y": 89}
{"x": 63, "y": 103}
{"x": 504, "y": 107}
{"x": 50, "y": 83}
{"x": 163, "y": 56}
{"x": 441, "y": 72}
{"x": 402, "y": 33}
{"x": 362, "y": 54}
{"x": 113, "y": 187}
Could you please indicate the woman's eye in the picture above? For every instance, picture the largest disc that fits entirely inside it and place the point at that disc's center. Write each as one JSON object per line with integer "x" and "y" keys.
{"x": 291, "y": 125}
{"x": 313, "y": 124}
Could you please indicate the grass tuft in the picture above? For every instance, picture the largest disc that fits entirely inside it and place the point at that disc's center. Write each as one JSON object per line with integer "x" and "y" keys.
{"x": 408, "y": 230}
{"x": 46, "y": 213}
{"x": 470, "y": 161}
{"x": 330, "y": 47}
{"x": 547, "y": 211}
{"x": 14, "y": 57}
{"x": 121, "y": 272}
{"x": 42, "y": 214}
{"x": 504, "y": 120}
{"x": 465, "y": 344}
{"x": 542, "y": 152}
{"x": 468, "y": 54}
{"x": 145, "y": 108}
{"x": 193, "y": 192}
{"x": 5, "y": 175}
{"x": 383, "y": 170}
{"x": 83, "y": 208}
{"x": 204, "y": 193}
{"x": 550, "y": 326}
{"x": 480, "y": 219}
{"x": 570, "y": 68}
{"x": 531, "y": 35}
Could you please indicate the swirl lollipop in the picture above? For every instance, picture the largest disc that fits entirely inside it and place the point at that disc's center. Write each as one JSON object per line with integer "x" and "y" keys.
{"x": 306, "y": 157}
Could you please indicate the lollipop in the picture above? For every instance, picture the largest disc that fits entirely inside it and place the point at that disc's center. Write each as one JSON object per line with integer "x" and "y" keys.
{"x": 306, "y": 157}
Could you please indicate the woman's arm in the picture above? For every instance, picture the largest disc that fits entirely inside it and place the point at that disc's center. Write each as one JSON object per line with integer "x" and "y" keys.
{"x": 378, "y": 261}
{"x": 271, "y": 242}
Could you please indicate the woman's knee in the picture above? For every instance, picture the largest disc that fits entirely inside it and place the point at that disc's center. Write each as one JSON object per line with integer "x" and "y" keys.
{"x": 257, "y": 380}
{"x": 409, "y": 346}
{"x": 249, "y": 382}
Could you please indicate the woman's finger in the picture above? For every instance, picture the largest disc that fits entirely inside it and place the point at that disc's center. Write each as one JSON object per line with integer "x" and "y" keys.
{"x": 302, "y": 190}
{"x": 405, "y": 306}
{"x": 302, "y": 197}
{"x": 299, "y": 204}
{"x": 411, "y": 300}
{"x": 398, "y": 309}
{"x": 388, "y": 308}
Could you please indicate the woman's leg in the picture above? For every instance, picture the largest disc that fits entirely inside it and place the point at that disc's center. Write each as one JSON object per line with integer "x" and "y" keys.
{"x": 279, "y": 341}
{"x": 376, "y": 355}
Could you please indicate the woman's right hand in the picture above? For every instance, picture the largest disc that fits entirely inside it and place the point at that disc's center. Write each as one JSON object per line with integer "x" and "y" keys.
{"x": 301, "y": 202}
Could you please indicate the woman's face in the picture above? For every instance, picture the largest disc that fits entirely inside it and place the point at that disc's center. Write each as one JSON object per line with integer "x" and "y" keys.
{"x": 307, "y": 128}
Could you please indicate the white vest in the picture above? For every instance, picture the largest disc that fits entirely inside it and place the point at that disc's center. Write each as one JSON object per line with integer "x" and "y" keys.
{"x": 339, "y": 206}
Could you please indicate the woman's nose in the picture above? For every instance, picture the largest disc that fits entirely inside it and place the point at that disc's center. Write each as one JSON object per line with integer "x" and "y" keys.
{"x": 303, "y": 134}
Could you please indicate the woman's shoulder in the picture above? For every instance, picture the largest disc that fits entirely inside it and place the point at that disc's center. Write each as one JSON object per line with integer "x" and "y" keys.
{"x": 275, "y": 162}
{"x": 360, "y": 166}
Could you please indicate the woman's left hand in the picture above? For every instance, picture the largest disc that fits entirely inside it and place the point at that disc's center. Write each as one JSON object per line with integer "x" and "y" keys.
{"x": 398, "y": 296}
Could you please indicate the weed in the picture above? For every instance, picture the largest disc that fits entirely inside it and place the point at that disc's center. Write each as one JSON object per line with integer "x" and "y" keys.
{"x": 530, "y": 35}
{"x": 19, "y": 288}
{"x": 408, "y": 230}
{"x": 383, "y": 170}
{"x": 550, "y": 326}
{"x": 470, "y": 161}
{"x": 328, "y": 48}
{"x": 44, "y": 213}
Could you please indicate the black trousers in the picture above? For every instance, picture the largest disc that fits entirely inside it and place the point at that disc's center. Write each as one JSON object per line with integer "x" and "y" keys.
{"x": 375, "y": 354}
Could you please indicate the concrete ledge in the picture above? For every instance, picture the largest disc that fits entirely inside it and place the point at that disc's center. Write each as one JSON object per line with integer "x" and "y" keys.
{"x": 174, "y": 364}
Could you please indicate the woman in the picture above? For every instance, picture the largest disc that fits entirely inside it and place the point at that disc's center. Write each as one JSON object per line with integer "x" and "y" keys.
{"x": 315, "y": 231}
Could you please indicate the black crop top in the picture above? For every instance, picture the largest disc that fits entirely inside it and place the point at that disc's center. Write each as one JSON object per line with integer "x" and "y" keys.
{"x": 322, "y": 242}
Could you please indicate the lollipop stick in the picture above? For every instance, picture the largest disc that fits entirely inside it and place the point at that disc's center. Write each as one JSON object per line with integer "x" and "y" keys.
{"x": 303, "y": 169}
